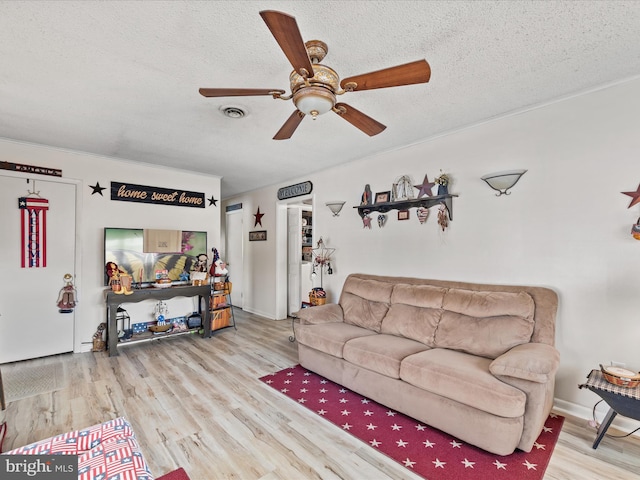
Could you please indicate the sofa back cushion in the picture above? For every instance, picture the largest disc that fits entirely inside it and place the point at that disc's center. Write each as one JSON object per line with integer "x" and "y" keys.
{"x": 485, "y": 323}
{"x": 365, "y": 302}
{"x": 415, "y": 312}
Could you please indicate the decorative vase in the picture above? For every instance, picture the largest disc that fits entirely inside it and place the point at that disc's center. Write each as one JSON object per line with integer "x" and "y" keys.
{"x": 443, "y": 190}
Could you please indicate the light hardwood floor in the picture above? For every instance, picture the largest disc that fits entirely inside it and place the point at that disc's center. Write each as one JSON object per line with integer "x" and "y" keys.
{"x": 198, "y": 403}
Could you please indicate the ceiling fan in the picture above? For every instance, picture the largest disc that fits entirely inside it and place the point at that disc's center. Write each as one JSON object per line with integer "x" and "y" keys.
{"x": 314, "y": 86}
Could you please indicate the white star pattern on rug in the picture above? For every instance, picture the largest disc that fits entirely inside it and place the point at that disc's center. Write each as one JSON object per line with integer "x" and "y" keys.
{"x": 426, "y": 451}
{"x": 438, "y": 463}
{"x": 468, "y": 464}
{"x": 500, "y": 466}
{"x": 408, "y": 463}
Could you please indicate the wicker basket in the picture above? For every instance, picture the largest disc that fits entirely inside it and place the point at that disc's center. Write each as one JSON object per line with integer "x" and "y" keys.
{"x": 314, "y": 300}
{"x": 620, "y": 376}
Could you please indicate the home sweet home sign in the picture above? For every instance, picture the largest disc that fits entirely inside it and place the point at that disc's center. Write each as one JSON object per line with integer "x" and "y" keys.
{"x": 129, "y": 192}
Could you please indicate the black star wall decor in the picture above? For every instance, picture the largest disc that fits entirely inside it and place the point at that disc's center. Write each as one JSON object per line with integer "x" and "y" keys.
{"x": 213, "y": 201}
{"x": 97, "y": 189}
{"x": 258, "y": 216}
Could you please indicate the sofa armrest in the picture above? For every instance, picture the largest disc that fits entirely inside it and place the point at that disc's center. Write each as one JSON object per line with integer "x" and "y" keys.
{"x": 327, "y": 313}
{"x": 536, "y": 362}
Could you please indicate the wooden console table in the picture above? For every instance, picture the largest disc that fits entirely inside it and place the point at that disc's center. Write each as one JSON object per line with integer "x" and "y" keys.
{"x": 114, "y": 300}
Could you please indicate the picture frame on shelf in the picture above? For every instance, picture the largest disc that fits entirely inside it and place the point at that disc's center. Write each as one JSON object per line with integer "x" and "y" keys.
{"x": 403, "y": 214}
{"x": 258, "y": 236}
{"x": 383, "y": 197}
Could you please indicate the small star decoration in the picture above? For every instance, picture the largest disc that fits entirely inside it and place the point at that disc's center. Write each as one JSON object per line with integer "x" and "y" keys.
{"x": 425, "y": 187}
{"x": 213, "y": 201}
{"x": 258, "y": 216}
{"x": 97, "y": 189}
{"x": 635, "y": 197}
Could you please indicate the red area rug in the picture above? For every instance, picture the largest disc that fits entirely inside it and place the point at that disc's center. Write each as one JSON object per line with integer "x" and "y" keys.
{"x": 178, "y": 474}
{"x": 422, "y": 449}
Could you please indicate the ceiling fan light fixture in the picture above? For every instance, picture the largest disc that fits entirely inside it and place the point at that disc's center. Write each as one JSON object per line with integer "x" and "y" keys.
{"x": 314, "y": 100}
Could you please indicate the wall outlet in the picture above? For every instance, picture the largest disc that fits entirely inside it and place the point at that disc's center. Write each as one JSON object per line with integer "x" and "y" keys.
{"x": 618, "y": 364}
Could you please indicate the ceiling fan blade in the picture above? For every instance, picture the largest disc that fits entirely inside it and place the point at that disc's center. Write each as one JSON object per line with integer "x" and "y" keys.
{"x": 407, "y": 74}
{"x": 286, "y": 32}
{"x": 358, "y": 119}
{"x": 239, "y": 92}
{"x": 289, "y": 126}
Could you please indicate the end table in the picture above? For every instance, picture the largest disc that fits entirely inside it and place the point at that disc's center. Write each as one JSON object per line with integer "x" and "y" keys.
{"x": 621, "y": 400}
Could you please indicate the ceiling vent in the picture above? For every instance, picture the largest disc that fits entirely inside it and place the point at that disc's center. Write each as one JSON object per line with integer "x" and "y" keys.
{"x": 233, "y": 112}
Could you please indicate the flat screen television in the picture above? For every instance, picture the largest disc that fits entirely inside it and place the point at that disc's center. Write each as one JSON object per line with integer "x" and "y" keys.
{"x": 124, "y": 246}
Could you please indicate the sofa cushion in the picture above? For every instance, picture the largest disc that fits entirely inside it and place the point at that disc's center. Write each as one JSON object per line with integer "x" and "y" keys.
{"x": 427, "y": 296}
{"x": 488, "y": 337}
{"x": 416, "y": 323}
{"x": 381, "y": 353}
{"x": 365, "y": 302}
{"x": 489, "y": 304}
{"x": 463, "y": 378}
{"x": 485, "y": 323}
{"x": 329, "y": 337}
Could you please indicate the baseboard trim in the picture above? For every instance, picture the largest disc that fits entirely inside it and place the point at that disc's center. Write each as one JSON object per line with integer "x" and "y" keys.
{"x": 623, "y": 424}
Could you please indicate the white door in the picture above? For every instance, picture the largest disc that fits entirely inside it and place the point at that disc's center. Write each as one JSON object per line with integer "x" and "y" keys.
{"x": 31, "y": 324}
{"x": 234, "y": 255}
{"x": 294, "y": 257}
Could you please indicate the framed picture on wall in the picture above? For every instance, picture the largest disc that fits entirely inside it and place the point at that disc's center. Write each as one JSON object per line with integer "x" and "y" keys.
{"x": 403, "y": 214}
{"x": 258, "y": 236}
{"x": 383, "y": 197}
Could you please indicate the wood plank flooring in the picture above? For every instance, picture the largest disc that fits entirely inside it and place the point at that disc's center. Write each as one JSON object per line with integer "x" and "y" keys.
{"x": 197, "y": 403}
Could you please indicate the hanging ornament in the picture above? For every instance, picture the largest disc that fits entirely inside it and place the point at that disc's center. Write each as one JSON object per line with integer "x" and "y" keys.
{"x": 443, "y": 219}
{"x": 382, "y": 219}
{"x": 366, "y": 222}
{"x": 423, "y": 214}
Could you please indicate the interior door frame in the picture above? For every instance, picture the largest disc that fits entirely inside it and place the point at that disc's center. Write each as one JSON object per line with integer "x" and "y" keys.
{"x": 77, "y": 333}
{"x": 282, "y": 303}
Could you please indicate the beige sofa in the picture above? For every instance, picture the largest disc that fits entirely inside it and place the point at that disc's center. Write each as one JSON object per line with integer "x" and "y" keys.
{"x": 476, "y": 361}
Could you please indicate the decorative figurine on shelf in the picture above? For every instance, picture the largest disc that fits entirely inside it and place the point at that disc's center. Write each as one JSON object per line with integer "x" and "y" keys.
{"x": 402, "y": 189}
{"x": 635, "y": 230}
{"x": 218, "y": 267}
{"x": 113, "y": 273}
{"x": 67, "y": 299}
{"x": 199, "y": 270}
{"x": 425, "y": 187}
{"x": 160, "y": 313}
{"x": 443, "y": 183}
{"x": 126, "y": 281}
{"x": 366, "y": 196}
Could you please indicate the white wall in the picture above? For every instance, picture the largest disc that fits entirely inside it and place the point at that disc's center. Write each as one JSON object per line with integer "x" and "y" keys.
{"x": 565, "y": 226}
{"x": 97, "y": 212}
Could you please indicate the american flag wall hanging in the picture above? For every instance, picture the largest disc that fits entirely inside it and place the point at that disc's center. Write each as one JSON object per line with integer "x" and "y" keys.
{"x": 33, "y": 226}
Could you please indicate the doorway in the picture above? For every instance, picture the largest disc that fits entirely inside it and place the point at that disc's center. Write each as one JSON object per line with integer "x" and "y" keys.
{"x": 234, "y": 255}
{"x": 299, "y": 241}
{"x": 32, "y": 325}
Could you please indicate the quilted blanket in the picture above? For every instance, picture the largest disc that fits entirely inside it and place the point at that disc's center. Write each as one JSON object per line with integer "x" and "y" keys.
{"x": 107, "y": 450}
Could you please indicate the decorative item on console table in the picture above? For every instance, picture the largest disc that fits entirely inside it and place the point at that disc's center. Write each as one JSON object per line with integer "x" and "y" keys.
{"x": 113, "y": 301}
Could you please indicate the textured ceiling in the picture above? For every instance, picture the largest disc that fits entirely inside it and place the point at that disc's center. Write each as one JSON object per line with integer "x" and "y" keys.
{"x": 121, "y": 78}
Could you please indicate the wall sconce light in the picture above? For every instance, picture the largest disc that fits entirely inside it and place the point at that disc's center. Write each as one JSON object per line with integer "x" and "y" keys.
{"x": 335, "y": 207}
{"x": 503, "y": 181}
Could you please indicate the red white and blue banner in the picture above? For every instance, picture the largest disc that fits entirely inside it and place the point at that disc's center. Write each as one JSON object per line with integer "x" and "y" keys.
{"x": 33, "y": 231}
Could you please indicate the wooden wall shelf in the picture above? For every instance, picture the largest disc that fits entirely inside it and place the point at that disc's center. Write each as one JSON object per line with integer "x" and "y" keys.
{"x": 427, "y": 202}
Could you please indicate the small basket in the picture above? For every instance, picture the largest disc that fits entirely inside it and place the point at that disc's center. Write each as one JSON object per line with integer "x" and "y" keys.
{"x": 620, "y": 377}
{"x": 160, "y": 328}
{"x": 315, "y": 299}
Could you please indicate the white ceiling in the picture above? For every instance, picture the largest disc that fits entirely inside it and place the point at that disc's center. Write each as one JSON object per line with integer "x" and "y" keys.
{"x": 121, "y": 78}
